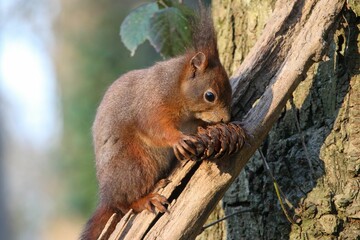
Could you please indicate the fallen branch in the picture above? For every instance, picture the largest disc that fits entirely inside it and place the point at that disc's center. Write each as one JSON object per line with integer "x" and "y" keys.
{"x": 295, "y": 37}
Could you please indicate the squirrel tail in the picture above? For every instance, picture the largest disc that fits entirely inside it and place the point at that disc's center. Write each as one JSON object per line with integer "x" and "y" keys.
{"x": 97, "y": 222}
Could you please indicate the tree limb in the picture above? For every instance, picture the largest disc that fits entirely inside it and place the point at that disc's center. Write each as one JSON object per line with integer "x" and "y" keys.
{"x": 295, "y": 37}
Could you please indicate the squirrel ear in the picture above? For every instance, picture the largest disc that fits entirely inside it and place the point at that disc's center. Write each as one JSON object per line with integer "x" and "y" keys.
{"x": 199, "y": 61}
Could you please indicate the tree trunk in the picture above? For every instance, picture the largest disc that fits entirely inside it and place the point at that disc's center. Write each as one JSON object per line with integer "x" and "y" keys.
{"x": 296, "y": 35}
{"x": 328, "y": 106}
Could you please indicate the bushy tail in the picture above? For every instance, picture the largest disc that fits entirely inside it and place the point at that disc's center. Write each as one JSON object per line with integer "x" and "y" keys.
{"x": 97, "y": 222}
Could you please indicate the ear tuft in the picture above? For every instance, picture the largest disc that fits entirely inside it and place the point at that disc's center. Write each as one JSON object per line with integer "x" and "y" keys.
{"x": 199, "y": 61}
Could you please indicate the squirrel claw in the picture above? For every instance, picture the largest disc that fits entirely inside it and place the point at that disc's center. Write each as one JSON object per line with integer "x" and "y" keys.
{"x": 181, "y": 153}
{"x": 188, "y": 148}
{"x": 147, "y": 206}
{"x": 184, "y": 144}
{"x": 158, "y": 201}
{"x": 150, "y": 202}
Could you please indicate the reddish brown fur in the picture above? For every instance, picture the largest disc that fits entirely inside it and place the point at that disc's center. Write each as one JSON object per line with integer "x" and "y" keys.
{"x": 98, "y": 221}
{"x": 142, "y": 116}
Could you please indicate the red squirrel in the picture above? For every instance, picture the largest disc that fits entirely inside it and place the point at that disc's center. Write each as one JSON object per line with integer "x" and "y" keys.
{"x": 144, "y": 114}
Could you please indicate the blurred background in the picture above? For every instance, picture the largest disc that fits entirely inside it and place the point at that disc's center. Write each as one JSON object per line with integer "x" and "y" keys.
{"x": 57, "y": 57}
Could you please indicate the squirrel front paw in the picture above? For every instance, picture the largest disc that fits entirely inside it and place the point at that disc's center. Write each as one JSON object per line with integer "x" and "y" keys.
{"x": 189, "y": 148}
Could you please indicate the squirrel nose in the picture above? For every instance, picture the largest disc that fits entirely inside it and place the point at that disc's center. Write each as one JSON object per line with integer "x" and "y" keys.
{"x": 226, "y": 116}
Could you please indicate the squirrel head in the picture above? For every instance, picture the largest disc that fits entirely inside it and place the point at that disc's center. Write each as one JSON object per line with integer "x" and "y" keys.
{"x": 206, "y": 89}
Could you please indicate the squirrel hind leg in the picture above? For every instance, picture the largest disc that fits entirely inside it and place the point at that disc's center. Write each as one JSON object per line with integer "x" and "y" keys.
{"x": 150, "y": 202}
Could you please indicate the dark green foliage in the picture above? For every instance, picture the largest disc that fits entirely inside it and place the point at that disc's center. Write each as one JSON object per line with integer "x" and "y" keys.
{"x": 169, "y": 32}
{"x": 165, "y": 24}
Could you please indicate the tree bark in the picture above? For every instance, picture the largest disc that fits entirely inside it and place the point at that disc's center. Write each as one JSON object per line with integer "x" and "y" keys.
{"x": 295, "y": 37}
{"x": 326, "y": 103}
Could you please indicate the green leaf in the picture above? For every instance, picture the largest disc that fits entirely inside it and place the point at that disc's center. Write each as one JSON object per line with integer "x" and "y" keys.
{"x": 185, "y": 10}
{"x": 134, "y": 29}
{"x": 169, "y": 32}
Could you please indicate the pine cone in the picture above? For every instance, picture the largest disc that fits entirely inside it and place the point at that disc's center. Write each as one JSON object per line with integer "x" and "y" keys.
{"x": 212, "y": 142}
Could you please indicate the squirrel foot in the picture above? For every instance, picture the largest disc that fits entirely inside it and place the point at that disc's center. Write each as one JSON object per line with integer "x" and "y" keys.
{"x": 161, "y": 184}
{"x": 150, "y": 202}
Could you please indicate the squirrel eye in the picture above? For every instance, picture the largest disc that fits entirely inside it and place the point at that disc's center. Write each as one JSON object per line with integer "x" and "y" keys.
{"x": 209, "y": 96}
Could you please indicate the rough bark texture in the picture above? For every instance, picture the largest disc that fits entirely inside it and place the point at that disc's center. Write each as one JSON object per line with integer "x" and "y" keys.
{"x": 328, "y": 107}
{"x": 295, "y": 38}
